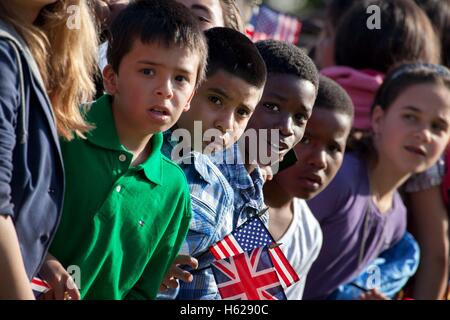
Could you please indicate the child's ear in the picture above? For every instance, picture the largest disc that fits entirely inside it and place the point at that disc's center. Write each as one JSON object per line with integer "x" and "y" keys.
{"x": 110, "y": 80}
{"x": 188, "y": 103}
{"x": 377, "y": 119}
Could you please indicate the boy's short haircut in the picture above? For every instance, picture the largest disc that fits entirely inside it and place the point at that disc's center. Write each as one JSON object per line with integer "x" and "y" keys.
{"x": 333, "y": 97}
{"x": 166, "y": 22}
{"x": 284, "y": 58}
{"x": 233, "y": 52}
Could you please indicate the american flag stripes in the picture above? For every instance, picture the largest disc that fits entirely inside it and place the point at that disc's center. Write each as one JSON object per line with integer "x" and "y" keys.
{"x": 248, "y": 276}
{"x": 287, "y": 274}
{"x": 39, "y": 286}
{"x": 267, "y": 23}
{"x": 251, "y": 234}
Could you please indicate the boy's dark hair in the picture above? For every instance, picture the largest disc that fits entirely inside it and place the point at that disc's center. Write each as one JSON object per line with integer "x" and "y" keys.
{"x": 331, "y": 96}
{"x": 405, "y": 34}
{"x": 439, "y": 13}
{"x": 233, "y": 52}
{"x": 166, "y": 22}
{"x": 284, "y": 58}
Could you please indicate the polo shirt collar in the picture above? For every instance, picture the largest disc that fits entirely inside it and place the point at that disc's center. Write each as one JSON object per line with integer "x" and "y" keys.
{"x": 105, "y": 136}
{"x": 104, "y": 133}
{"x": 153, "y": 165}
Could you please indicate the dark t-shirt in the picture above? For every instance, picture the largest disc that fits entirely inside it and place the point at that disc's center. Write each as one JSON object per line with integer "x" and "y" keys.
{"x": 354, "y": 230}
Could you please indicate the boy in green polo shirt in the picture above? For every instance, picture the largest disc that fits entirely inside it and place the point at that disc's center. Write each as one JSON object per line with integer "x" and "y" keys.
{"x": 127, "y": 207}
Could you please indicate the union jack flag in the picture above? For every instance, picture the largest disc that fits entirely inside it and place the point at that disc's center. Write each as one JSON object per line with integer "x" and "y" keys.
{"x": 248, "y": 236}
{"x": 267, "y": 23}
{"x": 248, "y": 276}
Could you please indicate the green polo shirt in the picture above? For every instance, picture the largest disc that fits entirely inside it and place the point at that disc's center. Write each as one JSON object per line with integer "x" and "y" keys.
{"x": 122, "y": 226}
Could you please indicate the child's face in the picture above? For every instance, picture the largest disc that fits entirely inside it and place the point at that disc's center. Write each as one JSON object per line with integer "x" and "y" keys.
{"x": 208, "y": 12}
{"x": 286, "y": 105}
{"x": 319, "y": 154}
{"x": 415, "y": 129}
{"x": 324, "y": 54}
{"x": 224, "y": 102}
{"x": 153, "y": 86}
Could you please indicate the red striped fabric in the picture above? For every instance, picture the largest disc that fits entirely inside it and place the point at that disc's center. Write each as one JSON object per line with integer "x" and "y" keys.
{"x": 287, "y": 274}
{"x": 39, "y": 285}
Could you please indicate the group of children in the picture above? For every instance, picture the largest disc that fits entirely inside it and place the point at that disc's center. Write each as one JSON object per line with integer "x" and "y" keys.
{"x": 193, "y": 136}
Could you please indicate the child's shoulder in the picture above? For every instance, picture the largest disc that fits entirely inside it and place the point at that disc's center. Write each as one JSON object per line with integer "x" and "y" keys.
{"x": 352, "y": 170}
{"x": 304, "y": 230}
{"x": 172, "y": 172}
{"x": 340, "y": 195}
{"x": 305, "y": 217}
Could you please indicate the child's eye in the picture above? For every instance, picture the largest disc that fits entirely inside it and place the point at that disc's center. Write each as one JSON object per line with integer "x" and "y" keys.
{"x": 410, "y": 117}
{"x": 271, "y": 106}
{"x": 333, "y": 148}
{"x": 203, "y": 19}
{"x": 438, "y": 127}
{"x": 301, "y": 118}
{"x": 181, "y": 79}
{"x": 147, "y": 72}
{"x": 243, "y": 112}
{"x": 215, "y": 100}
{"x": 305, "y": 140}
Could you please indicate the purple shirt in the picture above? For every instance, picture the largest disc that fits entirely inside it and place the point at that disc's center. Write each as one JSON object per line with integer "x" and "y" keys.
{"x": 354, "y": 230}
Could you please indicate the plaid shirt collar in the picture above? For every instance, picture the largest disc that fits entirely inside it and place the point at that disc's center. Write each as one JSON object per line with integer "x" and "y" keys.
{"x": 232, "y": 166}
{"x": 170, "y": 143}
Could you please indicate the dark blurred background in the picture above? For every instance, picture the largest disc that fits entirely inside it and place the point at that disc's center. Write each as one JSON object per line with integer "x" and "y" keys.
{"x": 301, "y": 8}
{"x": 310, "y": 12}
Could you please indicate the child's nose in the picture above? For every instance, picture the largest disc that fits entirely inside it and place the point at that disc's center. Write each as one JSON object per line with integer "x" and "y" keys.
{"x": 225, "y": 122}
{"x": 165, "y": 89}
{"x": 286, "y": 125}
{"x": 318, "y": 160}
{"x": 423, "y": 134}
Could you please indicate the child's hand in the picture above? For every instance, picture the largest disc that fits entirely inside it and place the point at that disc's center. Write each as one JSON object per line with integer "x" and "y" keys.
{"x": 373, "y": 294}
{"x": 175, "y": 272}
{"x": 62, "y": 285}
{"x": 266, "y": 173}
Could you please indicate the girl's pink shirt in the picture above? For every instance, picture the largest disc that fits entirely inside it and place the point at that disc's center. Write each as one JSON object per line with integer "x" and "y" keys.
{"x": 362, "y": 86}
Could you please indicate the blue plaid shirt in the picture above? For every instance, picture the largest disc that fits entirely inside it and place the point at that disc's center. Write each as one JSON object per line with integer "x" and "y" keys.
{"x": 248, "y": 188}
{"x": 212, "y": 219}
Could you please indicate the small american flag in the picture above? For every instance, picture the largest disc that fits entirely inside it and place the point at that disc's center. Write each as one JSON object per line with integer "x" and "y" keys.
{"x": 267, "y": 23}
{"x": 248, "y": 276}
{"x": 248, "y": 236}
